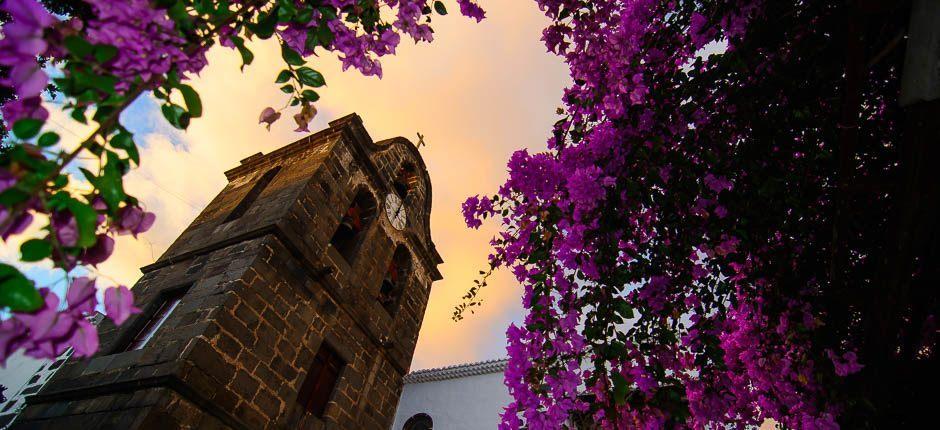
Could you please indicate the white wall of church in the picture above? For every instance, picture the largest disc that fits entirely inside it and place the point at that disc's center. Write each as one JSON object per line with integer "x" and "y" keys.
{"x": 466, "y": 403}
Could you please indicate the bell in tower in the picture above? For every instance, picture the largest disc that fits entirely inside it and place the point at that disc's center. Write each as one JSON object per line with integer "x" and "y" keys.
{"x": 293, "y": 301}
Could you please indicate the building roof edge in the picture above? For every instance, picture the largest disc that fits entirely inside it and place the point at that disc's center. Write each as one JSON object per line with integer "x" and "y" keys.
{"x": 456, "y": 371}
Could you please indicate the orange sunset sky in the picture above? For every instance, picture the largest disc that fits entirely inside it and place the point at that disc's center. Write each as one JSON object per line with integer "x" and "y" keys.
{"x": 477, "y": 93}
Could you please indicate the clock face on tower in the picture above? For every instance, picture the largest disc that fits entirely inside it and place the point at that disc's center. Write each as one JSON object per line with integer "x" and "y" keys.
{"x": 395, "y": 211}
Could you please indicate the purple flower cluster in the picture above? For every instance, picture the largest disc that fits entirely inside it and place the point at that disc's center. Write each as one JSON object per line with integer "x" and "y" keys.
{"x": 626, "y": 217}
{"x": 49, "y": 331}
{"x": 147, "y": 40}
{"x": 471, "y": 9}
{"x": 475, "y": 208}
{"x": 360, "y": 49}
{"x": 845, "y": 365}
{"x": 21, "y": 221}
{"x": 22, "y": 42}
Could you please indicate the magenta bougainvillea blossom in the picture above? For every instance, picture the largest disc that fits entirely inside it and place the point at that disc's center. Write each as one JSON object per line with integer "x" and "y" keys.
{"x": 673, "y": 241}
{"x": 147, "y": 41}
{"x": 119, "y": 303}
{"x": 51, "y": 330}
{"x": 22, "y": 42}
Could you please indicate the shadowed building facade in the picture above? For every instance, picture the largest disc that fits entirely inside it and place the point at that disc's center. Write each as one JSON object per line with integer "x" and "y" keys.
{"x": 294, "y": 300}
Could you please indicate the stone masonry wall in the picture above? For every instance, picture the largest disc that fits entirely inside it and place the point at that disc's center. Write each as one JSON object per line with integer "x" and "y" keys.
{"x": 263, "y": 293}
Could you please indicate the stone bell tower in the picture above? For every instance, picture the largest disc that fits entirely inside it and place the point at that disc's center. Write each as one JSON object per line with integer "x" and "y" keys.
{"x": 293, "y": 301}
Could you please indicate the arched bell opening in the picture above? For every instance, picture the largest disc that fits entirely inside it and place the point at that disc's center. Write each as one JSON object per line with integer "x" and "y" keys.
{"x": 395, "y": 279}
{"x": 353, "y": 226}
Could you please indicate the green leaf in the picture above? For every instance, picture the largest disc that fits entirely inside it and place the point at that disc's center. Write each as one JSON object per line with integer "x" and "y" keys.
{"x": 287, "y": 89}
{"x": 104, "y": 53}
{"x": 111, "y": 184}
{"x": 172, "y": 78}
{"x": 284, "y": 76}
{"x": 178, "y": 13}
{"x": 125, "y": 141}
{"x": 310, "y": 95}
{"x": 291, "y": 57}
{"x": 616, "y": 349}
{"x": 35, "y": 250}
{"x": 78, "y": 47}
{"x": 329, "y": 13}
{"x": 310, "y": 77}
{"x": 247, "y": 55}
{"x": 191, "y": 97}
{"x": 621, "y": 388}
{"x": 91, "y": 80}
{"x": 78, "y": 114}
{"x": 324, "y": 34}
{"x": 439, "y": 7}
{"x": 264, "y": 27}
{"x": 303, "y": 16}
{"x": 624, "y": 309}
{"x": 60, "y": 181}
{"x": 27, "y": 128}
{"x": 86, "y": 218}
{"x": 203, "y": 6}
{"x": 16, "y": 292}
{"x": 47, "y": 139}
{"x": 176, "y": 115}
{"x": 286, "y": 11}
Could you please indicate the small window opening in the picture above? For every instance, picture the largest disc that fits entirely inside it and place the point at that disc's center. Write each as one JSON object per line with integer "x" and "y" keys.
{"x": 252, "y": 195}
{"x": 317, "y": 388}
{"x": 419, "y": 422}
{"x": 353, "y": 225}
{"x": 393, "y": 284}
{"x": 170, "y": 302}
{"x": 405, "y": 181}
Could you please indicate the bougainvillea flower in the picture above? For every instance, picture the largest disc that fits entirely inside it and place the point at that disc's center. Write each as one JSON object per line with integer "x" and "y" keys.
{"x": 29, "y": 107}
{"x": 28, "y": 12}
{"x": 303, "y": 118}
{"x": 17, "y": 226}
{"x": 845, "y": 365}
{"x": 471, "y": 9}
{"x": 12, "y": 336}
{"x": 81, "y": 296}
{"x": 119, "y": 304}
{"x": 134, "y": 220}
{"x": 27, "y": 79}
{"x": 21, "y": 43}
{"x": 99, "y": 252}
{"x": 268, "y": 116}
{"x": 65, "y": 227}
{"x": 50, "y": 331}
{"x": 85, "y": 340}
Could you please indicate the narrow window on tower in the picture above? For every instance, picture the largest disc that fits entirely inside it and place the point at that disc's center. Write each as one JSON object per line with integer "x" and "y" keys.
{"x": 405, "y": 181}
{"x": 168, "y": 303}
{"x": 317, "y": 388}
{"x": 395, "y": 280}
{"x": 353, "y": 225}
{"x": 252, "y": 195}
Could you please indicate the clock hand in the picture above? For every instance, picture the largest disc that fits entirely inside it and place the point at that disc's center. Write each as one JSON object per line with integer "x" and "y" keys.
{"x": 400, "y": 207}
